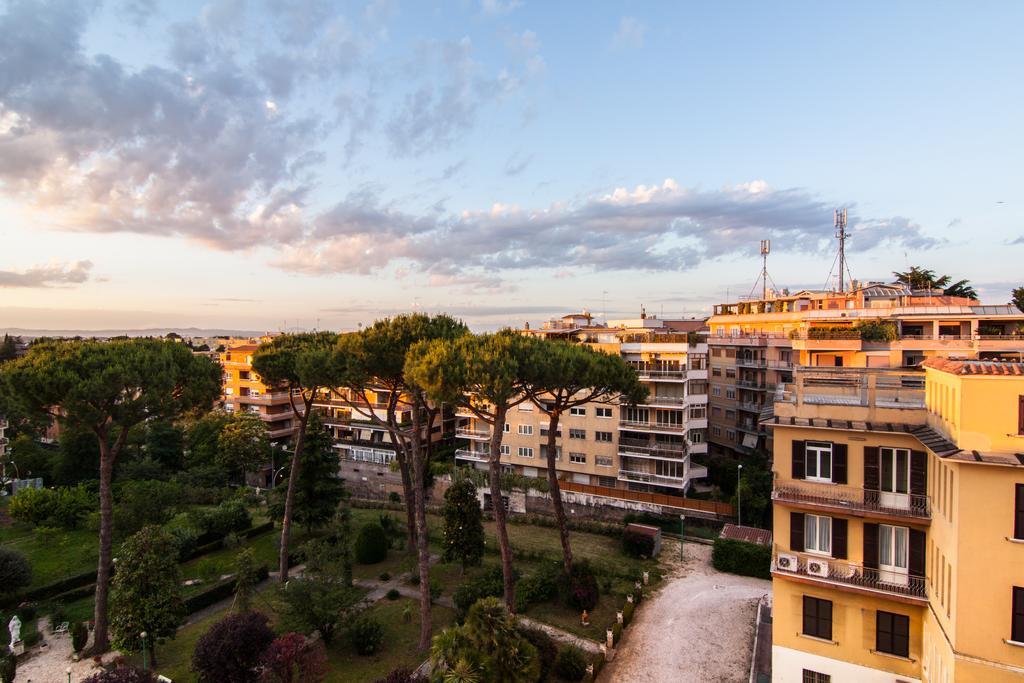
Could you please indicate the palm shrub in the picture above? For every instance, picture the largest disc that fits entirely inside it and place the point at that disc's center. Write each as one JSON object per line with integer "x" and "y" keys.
{"x": 570, "y": 664}
{"x": 488, "y": 647}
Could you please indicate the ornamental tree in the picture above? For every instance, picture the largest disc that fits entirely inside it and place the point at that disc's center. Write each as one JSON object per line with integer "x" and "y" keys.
{"x": 243, "y": 444}
{"x": 291, "y": 659}
{"x": 146, "y": 593}
{"x": 233, "y": 649}
{"x": 486, "y": 374}
{"x": 561, "y": 376}
{"x": 319, "y": 487}
{"x": 463, "y": 525}
{"x": 300, "y": 364}
{"x": 488, "y": 647}
{"x": 106, "y": 389}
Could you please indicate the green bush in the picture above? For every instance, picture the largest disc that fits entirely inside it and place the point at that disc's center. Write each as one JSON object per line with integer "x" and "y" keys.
{"x": 540, "y": 586}
{"x": 579, "y": 589}
{"x": 63, "y": 507}
{"x": 15, "y": 571}
{"x": 79, "y": 636}
{"x": 394, "y": 498}
{"x": 371, "y": 544}
{"x": 547, "y": 649}
{"x": 627, "y": 613}
{"x": 740, "y": 557}
{"x": 393, "y": 594}
{"x": 488, "y": 585}
{"x": 616, "y": 633}
{"x": 8, "y": 667}
{"x": 571, "y": 665}
{"x": 367, "y": 635}
{"x": 385, "y": 576}
{"x": 636, "y": 544}
{"x": 877, "y": 330}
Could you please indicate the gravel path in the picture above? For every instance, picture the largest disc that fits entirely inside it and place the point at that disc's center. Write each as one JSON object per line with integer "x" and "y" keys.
{"x": 698, "y": 627}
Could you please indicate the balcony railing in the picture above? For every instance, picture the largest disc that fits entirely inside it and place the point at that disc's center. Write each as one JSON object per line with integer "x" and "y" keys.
{"x": 865, "y": 387}
{"x": 830, "y": 571}
{"x": 650, "y": 373}
{"x": 475, "y": 456}
{"x": 644, "y": 448}
{"x": 648, "y": 478}
{"x": 750, "y": 406}
{"x": 467, "y": 433}
{"x": 752, "y": 362}
{"x": 852, "y": 499}
{"x": 665, "y": 401}
{"x": 646, "y": 424}
{"x": 753, "y": 385}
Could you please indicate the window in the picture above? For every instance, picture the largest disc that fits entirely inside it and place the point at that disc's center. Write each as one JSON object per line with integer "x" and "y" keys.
{"x": 1018, "y": 513}
{"x": 603, "y": 436}
{"x": 716, "y": 411}
{"x": 1020, "y": 415}
{"x": 696, "y": 436}
{"x": 604, "y": 412}
{"x": 730, "y": 372}
{"x": 818, "y": 534}
{"x": 526, "y": 430}
{"x": 716, "y": 430}
{"x": 817, "y": 618}
{"x": 544, "y": 431}
{"x": 577, "y": 433}
{"x": 730, "y": 414}
{"x": 578, "y": 458}
{"x": 892, "y": 633}
{"x": 893, "y": 553}
{"x": 607, "y": 482}
{"x": 730, "y": 435}
{"x": 895, "y": 470}
{"x": 505, "y": 449}
{"x": 716, "y": 372}
{"x": 508, "y": 427}
{"x": 730, "y": 393}
{"x": 525, "y": 452}
{"x": 699, "y": 412}
{"x": 818, "y": 461}
{"x": 716, "y": 390}
{"x": 578, "y": 411}
{"x": 544, "y": 452}
{"x": 526, "y": 407}
{"x": 603, "y": 461}
{"x": 815, "y": 677}
{"x": 695, "y": 386}
{"x": 1017, "y": 625}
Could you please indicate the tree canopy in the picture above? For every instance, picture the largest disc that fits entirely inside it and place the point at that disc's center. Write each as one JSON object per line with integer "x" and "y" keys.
{"x": 918, "y": 277}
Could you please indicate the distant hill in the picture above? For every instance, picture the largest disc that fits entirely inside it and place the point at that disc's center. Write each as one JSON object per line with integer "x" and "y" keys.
{"x": 147, "y": 332}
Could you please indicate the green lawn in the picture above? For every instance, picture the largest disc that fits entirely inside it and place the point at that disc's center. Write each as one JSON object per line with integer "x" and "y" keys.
{"x": 54, "y": 555}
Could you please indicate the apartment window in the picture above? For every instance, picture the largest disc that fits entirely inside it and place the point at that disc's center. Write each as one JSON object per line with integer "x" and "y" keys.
{"x": 603, "y": 436}
{"x": 508, "y": 428}
{"x": 894, "y": 552}
{"x": 577, "y": 433}
{"x": 697, "y": 386}
{"x": 895, "y": 470}
{"x": 505, "y": 449}
{"x": 730, "y": 435}
{"x": 817, "y": 618}
{"x": 578, "y": 411}
{"x": 1018, "y": 513}
{"x": 544, "y": 452}
{"x": 698, "y": 412}
{"x": 544, "y": 431}
{"x": 604, "y": 412}
{"x": 716, "y": 390}
{"x": 892, "y": 633}
{"x": 716, "y": 430}
{"x": 696, "y": 436}
{"x": 525, "y": 452}
{"x": 526, "y": 407}
{"x": 815, "y": 677}
{"x": 603, "y": 461}
{"x": 818, "y": 463}
{"x": 716, "y": 372}
{"x": 716, "y": 411}
{"x": 730, "y": 393}
{"x": 526, "y": 430}
{"x": 818, "y": 534}
{"x": 578, "y": 458}
{"x": 1020, "y": 415}
{"x": 1017, "y": 627}
{"x": 607, "y": 482}
{"x": 730, "y": 414}
{"x": 730, "y": 373}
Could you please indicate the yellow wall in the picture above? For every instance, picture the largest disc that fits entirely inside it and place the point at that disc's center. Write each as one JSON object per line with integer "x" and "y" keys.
{"x": 856, "y": 441}
{"x": 977, "y": 412}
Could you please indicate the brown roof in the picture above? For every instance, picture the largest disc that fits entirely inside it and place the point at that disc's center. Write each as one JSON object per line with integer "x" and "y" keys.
{"x": 974, "y": 367}
{"x": 747, "y": 533}
{"x": 244, "y": 347}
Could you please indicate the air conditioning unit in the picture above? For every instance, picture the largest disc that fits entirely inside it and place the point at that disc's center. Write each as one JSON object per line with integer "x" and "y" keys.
{"x": 817, "y": 568}
{"x": 786, "y": 562}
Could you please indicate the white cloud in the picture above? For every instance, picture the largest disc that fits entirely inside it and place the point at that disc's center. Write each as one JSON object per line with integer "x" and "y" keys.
{"x": 629, "y": 34}
{"x": 49, "y": 275}
{"x": 495, "y": 7}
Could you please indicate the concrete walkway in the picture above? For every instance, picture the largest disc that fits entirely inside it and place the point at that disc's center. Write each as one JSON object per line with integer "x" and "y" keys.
{"x": 564, "y": 637}
{"x": 699, "y": 626}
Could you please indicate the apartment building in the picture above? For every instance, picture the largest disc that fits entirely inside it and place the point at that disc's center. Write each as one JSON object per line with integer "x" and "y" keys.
{"x": 244, "y": 391}
{"x": 3, "y": 439}
{"x": 647, "y": 447}
{"x": 899, "y": 517}
{"x": 755, "y": 344}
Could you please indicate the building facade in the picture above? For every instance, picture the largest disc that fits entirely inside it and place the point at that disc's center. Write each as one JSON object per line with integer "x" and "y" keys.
{"x": 899, "y": 523}
{"x": 244, "y": 391}
{"x": 755, "y": 344}
{"x": 648, "y": 447}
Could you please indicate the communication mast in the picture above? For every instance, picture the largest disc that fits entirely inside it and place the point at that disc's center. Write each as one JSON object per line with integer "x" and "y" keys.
{"x": 766, "y": 247}
{"x": 839, "y": 222}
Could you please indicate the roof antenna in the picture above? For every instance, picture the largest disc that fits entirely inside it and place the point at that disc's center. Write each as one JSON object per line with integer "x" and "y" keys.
{"x": 766, "y": 247}
{"x": 839, "y": 222}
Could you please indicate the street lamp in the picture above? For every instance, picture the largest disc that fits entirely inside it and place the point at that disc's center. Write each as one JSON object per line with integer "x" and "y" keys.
{"x": 273, "y": 479}
{"x": 682, "y": 534}
{"x": 145, "y": 652}
{"x": 739, "y": 500}
{"x": 68, "y": 672}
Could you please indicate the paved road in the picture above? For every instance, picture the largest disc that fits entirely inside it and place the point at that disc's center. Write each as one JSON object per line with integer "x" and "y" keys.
{"x": 698, "y": 627}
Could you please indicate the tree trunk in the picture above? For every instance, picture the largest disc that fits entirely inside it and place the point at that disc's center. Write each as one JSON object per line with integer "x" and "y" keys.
{"x": 497, "y": 432}
{"x": 289, "y": 499}
{"x": 409, "y": 496}
{"x": 101, "y": 639}
{"x": 152, "y": 653}
{"x": 422, "y": 539}
{"x": 556, "y": 493}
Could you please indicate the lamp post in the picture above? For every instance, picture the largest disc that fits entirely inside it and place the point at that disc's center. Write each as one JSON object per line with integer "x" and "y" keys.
{"x": 145, "y": 652}
{"x": 682, "y": 534}
{"x": 68, "y": 672}
{"x": 739, "y": 499}
{"x": 273, "y": 478}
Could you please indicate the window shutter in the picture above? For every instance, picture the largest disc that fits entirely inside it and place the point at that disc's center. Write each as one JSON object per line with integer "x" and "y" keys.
{"x": 1018, "y": 517}
{"x": 871, "y": 476}
{"x": 799, "y": 450}
{"x": 871, "y": 546}
{"x": 1017, "y": 625}
{"x": 839, "y": 538}
{"x": 796, "y": 532}
{"x": 839, "y": 463}
{"x": 1020, "y": 415}
{"x": 917, "y": 552}
{"x": 918, "y": 473}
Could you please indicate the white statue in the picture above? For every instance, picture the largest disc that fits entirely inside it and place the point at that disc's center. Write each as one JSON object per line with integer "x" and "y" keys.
{"x": 15, "y": 628}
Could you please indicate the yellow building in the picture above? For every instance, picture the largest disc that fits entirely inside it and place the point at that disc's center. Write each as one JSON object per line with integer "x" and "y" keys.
{"x": 244, "y": 391}
{"x": 899, "y": 519}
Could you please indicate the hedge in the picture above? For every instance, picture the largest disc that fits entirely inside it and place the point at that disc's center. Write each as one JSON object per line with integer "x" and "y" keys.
{"x": 61, "y": 586}
{"x": 217, "y": 544}
{"x": 221, "y": 591}
{"x": 740, "y": 557}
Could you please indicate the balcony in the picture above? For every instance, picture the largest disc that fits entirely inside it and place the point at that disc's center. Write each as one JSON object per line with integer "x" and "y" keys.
{"x": 754, "y": 385}
{"x": 646, "y": 449}
{"x": 750, "y": 406}
{"x": 3, "y": 423}
{"x": 262, "y": 399}
{"x": 828, "y": 571}
{"x": 855, "y": 394}
{"x": 4, "y": 441}
{"x": 474, "y": 456}
{"x": 666, "y": 401}
{"x": 654, "y": 479}
{"x": 853, "y": 500}
{"x": 652, "y": 426}
{"x": 655, "y": 374}
{"x": 751, "y": 363}
{"x": 475, "y": 434}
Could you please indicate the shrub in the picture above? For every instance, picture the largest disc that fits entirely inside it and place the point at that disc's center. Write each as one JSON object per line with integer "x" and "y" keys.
{"x": 384, "y": 576}
{"x": 636, "y": 544}
{"x": 27, "y": 612}
{"x": 79, "y": 636}
{"x": 8, "y": 667}
{"x": 616, "y": 633}
{"x": 140, "y": 503}
{"x": 393, "y": 497}
{"x": 488, "y": 585}
{"x": 540, "y": 586}
{"x": 547, "y": 649}
{"x": 393, "y": 594}
{"x": 414, "y": 579}
{"x": 570, "y": 664}
{"x": 371, "y": 544}
{"x": 232, "y": 649}
{"x": 15, "y": 571}
{"x": 122, "y": 674}
{"x": 627, "y": 613}
{"x": 740, "y": 557}
{"x": 579, "y": 589}
{"x": 367, "y": 635}
{"x": 402, "y": 676}
{"x": 32, "y": 638}
{"x": 64, "y": 507}
{"x": 229, "y": 516}
{"x": 186, "y": 538}
{"x": 290, "y": 659}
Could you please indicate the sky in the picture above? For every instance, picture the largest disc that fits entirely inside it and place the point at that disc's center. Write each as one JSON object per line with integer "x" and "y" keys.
{"x": 291, "y": 164}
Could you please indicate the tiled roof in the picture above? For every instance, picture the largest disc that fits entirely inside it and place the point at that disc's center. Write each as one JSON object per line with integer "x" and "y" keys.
{"x": 747, "y": 533}
{"x": 974, "y": 367}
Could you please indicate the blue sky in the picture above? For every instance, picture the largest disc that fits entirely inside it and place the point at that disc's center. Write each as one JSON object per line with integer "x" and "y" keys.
{"x": 259, "y": 164}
